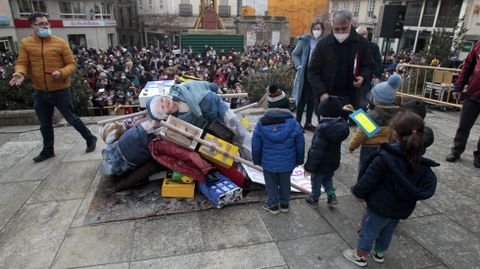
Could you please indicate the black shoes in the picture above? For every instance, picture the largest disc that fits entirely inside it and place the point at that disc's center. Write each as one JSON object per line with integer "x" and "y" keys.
{"x": 476, "y": 159}
{"x": 91, "y": 145}
{"x": 452, "y": 157}
{"x": 309, "y": 127}
{"x": 43, "y": 156}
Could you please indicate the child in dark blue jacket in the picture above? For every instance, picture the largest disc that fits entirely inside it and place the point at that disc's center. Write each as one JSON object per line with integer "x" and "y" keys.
{"x": 278, "y": 146}
{"x": 394, "y": 178}
{"x": 324, "y": 154}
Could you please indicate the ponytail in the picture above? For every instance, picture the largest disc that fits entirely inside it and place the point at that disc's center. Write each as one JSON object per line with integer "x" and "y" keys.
{"x": 409, "y": 130}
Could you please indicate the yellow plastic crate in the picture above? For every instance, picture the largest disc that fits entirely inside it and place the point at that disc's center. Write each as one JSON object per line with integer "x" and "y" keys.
{"x": 214, "y": 156}
{"x": 177, "y": 190}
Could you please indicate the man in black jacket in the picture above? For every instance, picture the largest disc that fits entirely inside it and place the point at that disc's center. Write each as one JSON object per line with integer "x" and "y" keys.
{"x": 341, "y": 62}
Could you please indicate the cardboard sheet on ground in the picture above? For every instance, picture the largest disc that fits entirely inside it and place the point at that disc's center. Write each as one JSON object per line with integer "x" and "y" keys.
{"x": 297, "y": 177}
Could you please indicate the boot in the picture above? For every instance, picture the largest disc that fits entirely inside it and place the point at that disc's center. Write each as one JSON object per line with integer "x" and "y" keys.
{"x": 476, "y": 159}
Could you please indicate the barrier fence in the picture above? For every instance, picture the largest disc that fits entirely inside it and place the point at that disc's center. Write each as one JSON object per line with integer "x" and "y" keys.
{"x": 433, "y": 85}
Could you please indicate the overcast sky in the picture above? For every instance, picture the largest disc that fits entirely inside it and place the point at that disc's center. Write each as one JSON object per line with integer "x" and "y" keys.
{"x": 260, "y": 6}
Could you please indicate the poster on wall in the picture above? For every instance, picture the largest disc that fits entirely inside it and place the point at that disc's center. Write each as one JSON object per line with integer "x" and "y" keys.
{"x": 251, "y": 38}
{"x": 275, "y": 38}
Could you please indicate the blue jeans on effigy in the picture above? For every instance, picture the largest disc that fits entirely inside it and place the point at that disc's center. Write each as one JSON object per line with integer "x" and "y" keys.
{"x": 375, "y": 229}
{"x": 321, "y": 180}
{"x": 44, "y": 103}
{"x": 114, "y": 163}
{"x": 277, "y": 185}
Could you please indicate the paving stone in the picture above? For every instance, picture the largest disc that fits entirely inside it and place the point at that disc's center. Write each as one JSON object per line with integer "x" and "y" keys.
{"x": 422, "y": 209}
{"x": 68, "y": 181}
{"x": 322, "y": 251}
{"x": 6, "y": 137}
{"x": 108, "y": 266}
{"x": 457, "y": 207}
{"x": 77, "y": 152}
{"x": 32, "y": 238}
{"x": 13, "y": 152}
{"x": 300, "y": 221}
{"x": 166, "y": 236}
{"x": 455, "y": 246}
{"x": 255, "y": 256}
{"x": 100, "y": 244}
{"x": 12, "y": 197}
{"x": 346, "y": 218}
{"x": 232, "y": 226}
{"x": 87, "y": 200}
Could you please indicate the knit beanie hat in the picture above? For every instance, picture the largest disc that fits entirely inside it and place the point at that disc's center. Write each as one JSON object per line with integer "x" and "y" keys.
{"x": 213, "y": 87}
{"x": 330, "y": 107}
{"x": 385, "y": 92}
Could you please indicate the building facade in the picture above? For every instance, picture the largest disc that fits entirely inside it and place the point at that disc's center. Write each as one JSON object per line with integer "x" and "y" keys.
{"x": 8, "y": 35}
{"x": 162, "y": 21}
{"x": 82, "y": 23}
{"x": 127, "y": 22}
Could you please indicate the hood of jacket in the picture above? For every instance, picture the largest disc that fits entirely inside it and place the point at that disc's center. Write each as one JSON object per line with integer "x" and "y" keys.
{"x": 277, "y": 124}
{"x": 334, "y": 129}
{"x": 408, "y": 186}
{"x": 382, "y": 114}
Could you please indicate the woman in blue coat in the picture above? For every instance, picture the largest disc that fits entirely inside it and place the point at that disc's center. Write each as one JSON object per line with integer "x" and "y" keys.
{"x": 302, "y": 91}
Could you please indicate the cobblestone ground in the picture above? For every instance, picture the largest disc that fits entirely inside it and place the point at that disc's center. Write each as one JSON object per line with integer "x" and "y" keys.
{"x": 42, "y": 208}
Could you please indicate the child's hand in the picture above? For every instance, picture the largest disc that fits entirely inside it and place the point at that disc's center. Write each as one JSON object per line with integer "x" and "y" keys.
{"x": 360, "y": 200}
{"x": 306, "y": 173}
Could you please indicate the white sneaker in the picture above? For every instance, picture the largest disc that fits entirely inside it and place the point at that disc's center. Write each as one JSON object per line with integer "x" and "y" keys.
{"x": 351, "y": 255}
{"x": 378, "y": 257}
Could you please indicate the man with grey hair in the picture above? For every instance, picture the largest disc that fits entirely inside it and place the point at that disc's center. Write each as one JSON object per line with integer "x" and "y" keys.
{"x": 362, "y": 100}
{"x": 341, "y": 62}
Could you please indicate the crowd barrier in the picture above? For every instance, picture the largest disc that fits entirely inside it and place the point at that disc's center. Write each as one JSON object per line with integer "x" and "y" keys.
{"x": 433, "y": 85}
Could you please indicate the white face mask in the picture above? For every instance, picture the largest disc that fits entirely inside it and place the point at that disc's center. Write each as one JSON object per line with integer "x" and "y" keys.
{"x": 317, "y": 33}
{"x": 341, "y": 37}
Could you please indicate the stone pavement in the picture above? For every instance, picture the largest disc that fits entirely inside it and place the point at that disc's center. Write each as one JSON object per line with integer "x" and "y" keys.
{"x": 42, "y": 208}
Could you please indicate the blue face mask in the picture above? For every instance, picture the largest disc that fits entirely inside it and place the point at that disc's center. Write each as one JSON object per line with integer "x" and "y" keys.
{"x": 44, "y": 32}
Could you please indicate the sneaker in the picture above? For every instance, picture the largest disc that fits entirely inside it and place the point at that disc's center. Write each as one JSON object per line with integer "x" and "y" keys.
{"x": 332, "y": 199}
{"x": 270, "y": 208}
{"x": 452, "y": 157}
{"x": 351, "y": 255}
{"x": 309, "y": 127}
{"x": 284, "y": 208}
{"x": 476, "y": 159}
{"x": 91, "y": 145}
{"x": 43, "y": 156}
{"x": 312, "y": 202}
{"x": 378, "y": 257}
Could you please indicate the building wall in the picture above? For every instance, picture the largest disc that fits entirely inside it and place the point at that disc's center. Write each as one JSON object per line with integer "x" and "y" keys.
{"x": 7, "y": 32}
{"x": 172, "y": 6}
{"x": 280, "y": 25}
{"x": 300, "y": 13}
{"x": 128, "y": 28}
{"x": 96, "y": 30}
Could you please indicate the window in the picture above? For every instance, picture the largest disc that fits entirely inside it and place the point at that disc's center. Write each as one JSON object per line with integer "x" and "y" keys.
{"x": 161, "y": 5}
{"x": 77, "y": 41}
{"x": 120, "y": 16}
{"x": 412, "y": 16}
{"x": 72, "y": 10}
{"x": 129, "y": 18}
{"x": 449, "y": 13}
{"x": 429, "y": 12}
{"x": 356, "y": 8}
{"x": 111, "y": 40}
{"x": 26, "y": 7}
{"x": 103, "y": 11}
{"x": 140, "y": 4}
{"x": 150, "y": 4}
{"x": 371, "y": 9}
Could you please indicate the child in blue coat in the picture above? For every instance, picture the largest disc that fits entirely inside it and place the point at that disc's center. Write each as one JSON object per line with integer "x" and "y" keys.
{"x": 278, "y": 146}
{"x": 394, "y": 178}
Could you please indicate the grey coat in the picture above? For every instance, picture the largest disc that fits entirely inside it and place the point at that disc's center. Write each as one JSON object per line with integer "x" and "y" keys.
{"x": 300, "y": 58}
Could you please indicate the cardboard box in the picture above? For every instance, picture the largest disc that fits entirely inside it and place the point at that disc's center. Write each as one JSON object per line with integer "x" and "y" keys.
{"x": 214, "y": 156}
{"x": 179, "y": 139}
{"x": 221, "y": 192}
{"x": 153, "y": 88}
{"x": 177, "y": 190}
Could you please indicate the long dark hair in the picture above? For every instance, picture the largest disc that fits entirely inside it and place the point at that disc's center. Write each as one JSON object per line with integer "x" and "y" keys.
{"x": 408, "y": 128}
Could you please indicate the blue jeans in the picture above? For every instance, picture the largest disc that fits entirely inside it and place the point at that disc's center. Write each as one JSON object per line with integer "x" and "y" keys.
{"x": 364, "y": 153}
{"x": 278, "y": 187}
{"x": 44, "y": 102}
{"x": 114, "y": 163}
{"x": 321, "y": 180}
{"x": 378, "y": 229}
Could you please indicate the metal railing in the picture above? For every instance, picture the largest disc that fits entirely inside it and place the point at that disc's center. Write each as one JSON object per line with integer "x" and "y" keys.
{"x": 430, "y": 84}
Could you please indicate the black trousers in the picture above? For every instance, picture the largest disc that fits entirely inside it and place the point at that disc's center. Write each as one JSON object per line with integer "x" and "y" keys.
{"x": 308, "y": 100}
{"x": 468, "y": 116}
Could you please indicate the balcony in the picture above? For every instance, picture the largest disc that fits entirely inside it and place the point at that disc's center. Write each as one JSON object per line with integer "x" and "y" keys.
{"x": 224, "y": 11}
{"x": 185, "y": 10}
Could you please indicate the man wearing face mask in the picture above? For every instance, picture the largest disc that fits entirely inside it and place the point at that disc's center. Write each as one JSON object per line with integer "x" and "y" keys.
{"x": 302, "y": 90}
{"x": 50, "y": 63}
{"x": 341, "y": 62}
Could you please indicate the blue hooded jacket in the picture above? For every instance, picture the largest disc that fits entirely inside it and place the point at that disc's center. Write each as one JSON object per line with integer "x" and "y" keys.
{"x": 389, "y": 188}
{"x": 278, "y": 144}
